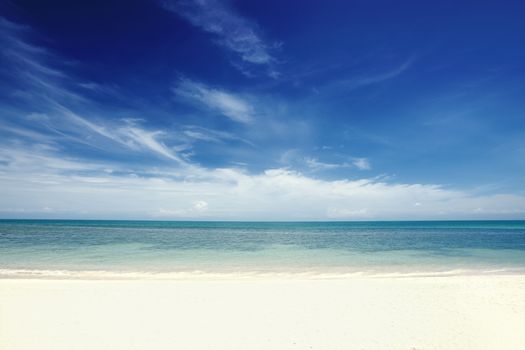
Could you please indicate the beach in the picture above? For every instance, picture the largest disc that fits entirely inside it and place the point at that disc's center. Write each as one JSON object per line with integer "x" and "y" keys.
{"x": 246, "y": 285}
{"x": 265, "y": 312}
{"x": 262, "y": 175}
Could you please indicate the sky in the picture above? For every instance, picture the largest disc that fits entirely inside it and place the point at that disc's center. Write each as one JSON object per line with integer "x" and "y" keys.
{"x": 262, "y": 110}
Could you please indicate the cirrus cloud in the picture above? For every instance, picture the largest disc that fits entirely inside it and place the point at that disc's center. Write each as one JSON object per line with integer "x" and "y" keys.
{"x": 230, "y": 30}
{"x": 227, "y": 104}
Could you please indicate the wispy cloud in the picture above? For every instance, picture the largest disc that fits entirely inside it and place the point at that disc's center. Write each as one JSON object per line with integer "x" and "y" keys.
{"x": 361, "y": 163}
{"x": 49, "y": 108}
{"x": 200, "y": 133}
{"x": 225, "y": 103}
{"x": 31, "y": 74}
{"x": 232, "y": 31}
{"x": 48, "y": 90}
{"x": 371, "y": 78}
{"x": 68, "y": 127}
{"x": 138, "y": 137}
{"x": 316, "y": 165}
{"x": 125, "y": 132}
{"x": 384, "y": 76}
{"x": 294, "y": 158}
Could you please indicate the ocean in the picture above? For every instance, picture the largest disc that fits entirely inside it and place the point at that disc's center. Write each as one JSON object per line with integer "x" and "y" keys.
{"x": 70, "y": 248}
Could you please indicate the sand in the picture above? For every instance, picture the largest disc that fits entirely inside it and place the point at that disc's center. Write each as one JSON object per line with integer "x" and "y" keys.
{"x": 459, "y": 312}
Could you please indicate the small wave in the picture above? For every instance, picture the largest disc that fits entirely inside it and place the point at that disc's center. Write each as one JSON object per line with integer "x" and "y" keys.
{"x": 240, "y": 275}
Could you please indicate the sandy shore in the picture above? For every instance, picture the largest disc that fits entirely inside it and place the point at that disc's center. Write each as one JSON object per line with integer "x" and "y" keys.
{"x": 460, "y": 312}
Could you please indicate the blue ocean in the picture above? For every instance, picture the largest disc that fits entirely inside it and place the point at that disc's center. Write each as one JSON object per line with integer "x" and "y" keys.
{"x": 70, "y": 247}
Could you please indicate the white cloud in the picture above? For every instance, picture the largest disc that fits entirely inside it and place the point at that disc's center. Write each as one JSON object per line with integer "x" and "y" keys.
{"x": 225, "y": 103}
{"x": 293, "y": 157}
{"x": 338, "y": 213}
{"x": 47, "y": 90}
{"x": 196, "y": 210}
{"x": 127, "y": 133}
{"x": 147, "y": 139}
{"x": 361, "y": 163}
{"x": 47, "y": 112}
{"x": 36, "y": 160}
{"x": 200, "y": 205}
{"x": 316, "y": 165}
{"x": 200, "y": 133}
{"x": 231, "y": 31}
{"x": 75, "y": 188}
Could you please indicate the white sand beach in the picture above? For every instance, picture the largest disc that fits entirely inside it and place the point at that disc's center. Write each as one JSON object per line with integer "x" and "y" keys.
{"x": 459, "y": 312}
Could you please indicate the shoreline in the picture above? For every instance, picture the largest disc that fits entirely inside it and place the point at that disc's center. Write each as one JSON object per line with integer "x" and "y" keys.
{"x": 329, "y": 274}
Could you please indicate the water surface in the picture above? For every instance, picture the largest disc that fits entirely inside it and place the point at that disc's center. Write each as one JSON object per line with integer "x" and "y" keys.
{"x": 317, "y": 247}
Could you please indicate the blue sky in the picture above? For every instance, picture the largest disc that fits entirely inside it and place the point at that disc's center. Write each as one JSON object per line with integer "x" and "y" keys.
{"x": 244, "y": 110}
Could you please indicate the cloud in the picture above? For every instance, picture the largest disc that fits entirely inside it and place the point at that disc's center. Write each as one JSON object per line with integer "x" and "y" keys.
{"x": 384, "y": 76}
{"x": 47, "y": 105}
{"x": 141, "y": 138}
{"x": 75, "y": 188}
{"x": 225, "y": 103}
{"x": 195, "y": 210}
{"x": 200, "y": 205}
{"x": 361, "y": 163}
{"x": 34, "y": 75}
{"x": 127, "y": 133}
{"x": 371, "y": 79}
{"x": 343, "y": 213}
{"x": 293, "y": 157}
{"x": 199, "y": 133}
{"x": 49, "y": 91}
{"x": 316, "y": 165}
{"x": 231, "y": 31}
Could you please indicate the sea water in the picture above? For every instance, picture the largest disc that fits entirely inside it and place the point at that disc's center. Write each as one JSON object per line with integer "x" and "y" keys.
{"x": 71, "y": 247}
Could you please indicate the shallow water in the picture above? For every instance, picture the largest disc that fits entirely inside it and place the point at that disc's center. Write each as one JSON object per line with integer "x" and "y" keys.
{"x": 308, "y": 247}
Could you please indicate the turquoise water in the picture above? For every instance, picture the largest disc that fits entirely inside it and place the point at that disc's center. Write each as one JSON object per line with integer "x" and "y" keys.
{"x": 318, "y": 247}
